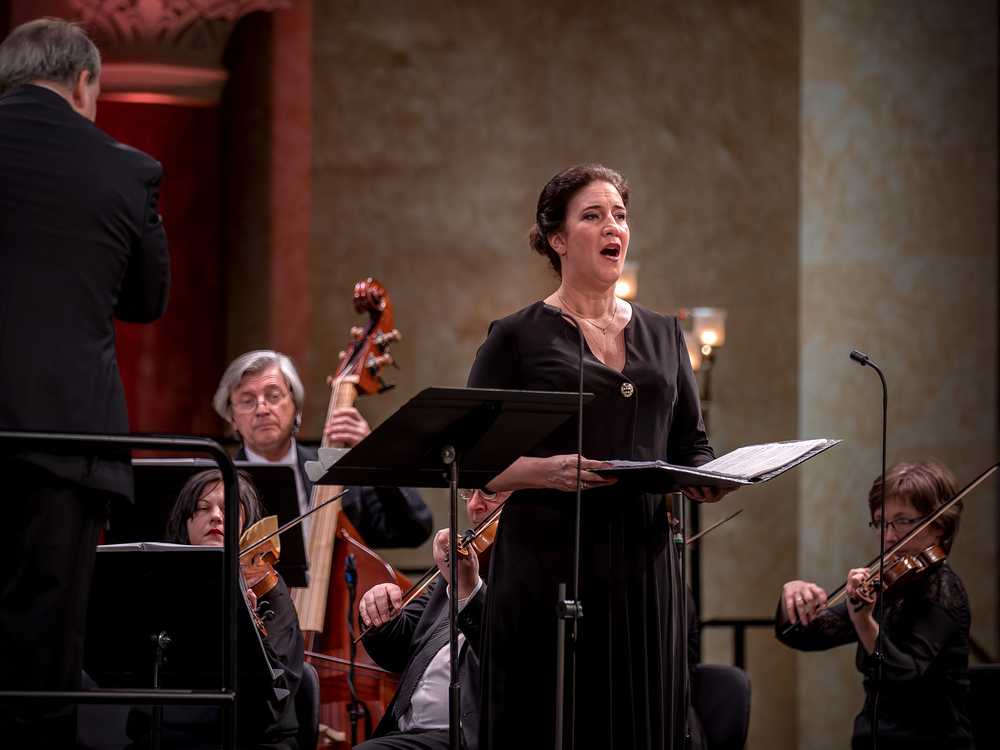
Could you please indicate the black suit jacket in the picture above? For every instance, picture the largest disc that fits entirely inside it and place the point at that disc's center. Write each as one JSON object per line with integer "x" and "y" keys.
{"x": 394, "y": 647}
{"x": 81, "y": 243}
{"x": 384, "y": 516}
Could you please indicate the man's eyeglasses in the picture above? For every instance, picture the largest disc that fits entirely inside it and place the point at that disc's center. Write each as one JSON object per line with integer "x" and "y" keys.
{"x": 249, "y": 405}
{"x": 466, "y": 495}
{"x": 901, "y": 525}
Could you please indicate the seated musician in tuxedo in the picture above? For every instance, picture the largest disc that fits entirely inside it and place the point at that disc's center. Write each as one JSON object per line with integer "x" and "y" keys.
{"x": 198, "y": 518}
{"x": 415, "y": 644}
{"x": 261, "y": 396}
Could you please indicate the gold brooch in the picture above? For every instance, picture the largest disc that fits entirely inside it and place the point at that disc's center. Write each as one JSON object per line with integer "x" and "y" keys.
{"x": 627, "y": 389}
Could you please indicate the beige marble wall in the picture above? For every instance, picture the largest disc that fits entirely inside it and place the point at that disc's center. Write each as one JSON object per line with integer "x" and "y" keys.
{"x": 899, "y": 260}
{"x": 788, "y": 161}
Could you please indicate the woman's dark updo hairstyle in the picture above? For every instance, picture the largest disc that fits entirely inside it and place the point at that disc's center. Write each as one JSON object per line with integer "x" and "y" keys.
{"x": 551, "y": 214}
{"x": 190, "y": 494}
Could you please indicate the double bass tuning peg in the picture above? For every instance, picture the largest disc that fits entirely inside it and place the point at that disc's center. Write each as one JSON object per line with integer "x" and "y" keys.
{"x": 375, "y": 364}
{"x": 382, "y": 340}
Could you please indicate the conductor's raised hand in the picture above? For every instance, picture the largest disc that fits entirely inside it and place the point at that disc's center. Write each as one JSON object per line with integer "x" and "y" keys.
{"x": 379, "y": 603}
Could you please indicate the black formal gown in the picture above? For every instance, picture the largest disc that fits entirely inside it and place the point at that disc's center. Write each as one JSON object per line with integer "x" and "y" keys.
{"x": 628, "y": 676}
{"x": 924, "y": 698}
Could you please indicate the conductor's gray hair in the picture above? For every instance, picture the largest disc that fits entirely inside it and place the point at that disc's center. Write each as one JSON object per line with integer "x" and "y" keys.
{"x": 254, "y": 363}
{"x": 48, "y": 49}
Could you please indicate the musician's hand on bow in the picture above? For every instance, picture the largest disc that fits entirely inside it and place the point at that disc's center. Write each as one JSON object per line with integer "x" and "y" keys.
{"x": 468, "y": 564}
{"x": 705, "y": 494}
{"x": 802, "y": 602}
{"x": 379, "y": 604}
{"x": 347, "y": 426}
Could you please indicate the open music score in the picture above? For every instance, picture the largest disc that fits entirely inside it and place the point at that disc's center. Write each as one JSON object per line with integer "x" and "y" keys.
{"x": 751, "y": 464}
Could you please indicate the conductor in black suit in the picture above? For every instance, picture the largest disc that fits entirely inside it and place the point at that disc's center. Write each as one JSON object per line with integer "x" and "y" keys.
{"x": 415, "y": 644}
{"x": 81, "y": 243}
{"x": 261, "y": 396}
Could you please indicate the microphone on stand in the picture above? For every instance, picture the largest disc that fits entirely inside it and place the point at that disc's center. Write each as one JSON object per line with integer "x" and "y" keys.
{"x": 569, "y": 609}
{"x": 863, "y": 360}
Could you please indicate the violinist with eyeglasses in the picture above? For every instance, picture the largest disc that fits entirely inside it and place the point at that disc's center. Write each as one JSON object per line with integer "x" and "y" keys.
{"x": 923, "y": 698}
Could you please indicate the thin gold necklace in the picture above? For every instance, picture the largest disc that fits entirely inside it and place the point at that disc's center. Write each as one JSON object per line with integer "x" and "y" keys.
{"x": 602, "y": 329}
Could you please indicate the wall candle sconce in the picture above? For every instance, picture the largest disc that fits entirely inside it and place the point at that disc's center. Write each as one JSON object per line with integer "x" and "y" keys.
{"x": 694, "y": 349}
{"x": 708, "y": 333}
{"x": 708, "y": 327}
{"x": 628, "y": 282}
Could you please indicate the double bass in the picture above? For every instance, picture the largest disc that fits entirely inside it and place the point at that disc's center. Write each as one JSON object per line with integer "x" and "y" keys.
{"x": 324, "y": 608}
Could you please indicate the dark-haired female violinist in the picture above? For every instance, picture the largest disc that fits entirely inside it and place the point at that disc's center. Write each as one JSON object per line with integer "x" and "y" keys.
{"x": 198, "y": 518}
{"x": 924, "y": 693}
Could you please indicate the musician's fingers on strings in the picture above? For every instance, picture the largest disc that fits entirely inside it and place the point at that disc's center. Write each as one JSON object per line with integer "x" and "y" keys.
{"x": 855, "y": 580}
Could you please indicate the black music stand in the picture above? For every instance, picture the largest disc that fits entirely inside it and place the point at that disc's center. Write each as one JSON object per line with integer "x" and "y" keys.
{"x": 158, "y": 481}
{"x": 155, "y": 621}
{"x": 442, "y": 436}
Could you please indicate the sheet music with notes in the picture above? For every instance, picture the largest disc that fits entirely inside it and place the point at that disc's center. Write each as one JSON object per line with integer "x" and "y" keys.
{"x": 751, "y": 464}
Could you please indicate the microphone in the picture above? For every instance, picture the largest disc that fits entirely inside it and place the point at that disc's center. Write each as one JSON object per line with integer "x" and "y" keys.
{"x": 570, "y": 609}
{"x": 861, "y": 359}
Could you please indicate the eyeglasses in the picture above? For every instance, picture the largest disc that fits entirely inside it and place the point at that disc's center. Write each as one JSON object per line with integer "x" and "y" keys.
{"x": 249, "y": 405}
{"x": 466, "y": 495}
{"x": 901, "y": 525}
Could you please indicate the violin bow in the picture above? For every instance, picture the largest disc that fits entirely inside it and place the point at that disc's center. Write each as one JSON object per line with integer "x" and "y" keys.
{"x": 290, "y": 524}
{"x": 713, "y": 526}
{"x": 431, "y": 575}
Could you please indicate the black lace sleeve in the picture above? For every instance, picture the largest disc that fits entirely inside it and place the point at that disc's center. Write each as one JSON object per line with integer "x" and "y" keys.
{"x": 832, "y": 628}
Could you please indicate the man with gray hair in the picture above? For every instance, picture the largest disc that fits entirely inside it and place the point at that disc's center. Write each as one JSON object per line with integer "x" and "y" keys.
{"x": 81, "y": 243}
{"x": 261, "y": 396}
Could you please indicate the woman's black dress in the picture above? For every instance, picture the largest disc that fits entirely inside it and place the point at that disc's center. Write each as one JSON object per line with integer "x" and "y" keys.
{"x": 924, "y": 699}
{"x": 628, "y": 659}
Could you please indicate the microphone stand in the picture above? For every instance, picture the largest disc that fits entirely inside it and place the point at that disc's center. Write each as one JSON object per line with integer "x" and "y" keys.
{"x": 569, "y": 609}
{"x": 863, "y": 360}
{"x": 356, "y": 708}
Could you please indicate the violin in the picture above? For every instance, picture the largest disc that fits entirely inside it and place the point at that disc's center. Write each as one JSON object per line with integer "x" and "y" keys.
{"x": 260, "y": 550}
{"x": 902, "y": 570}
{"x": 479, "y": 539}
